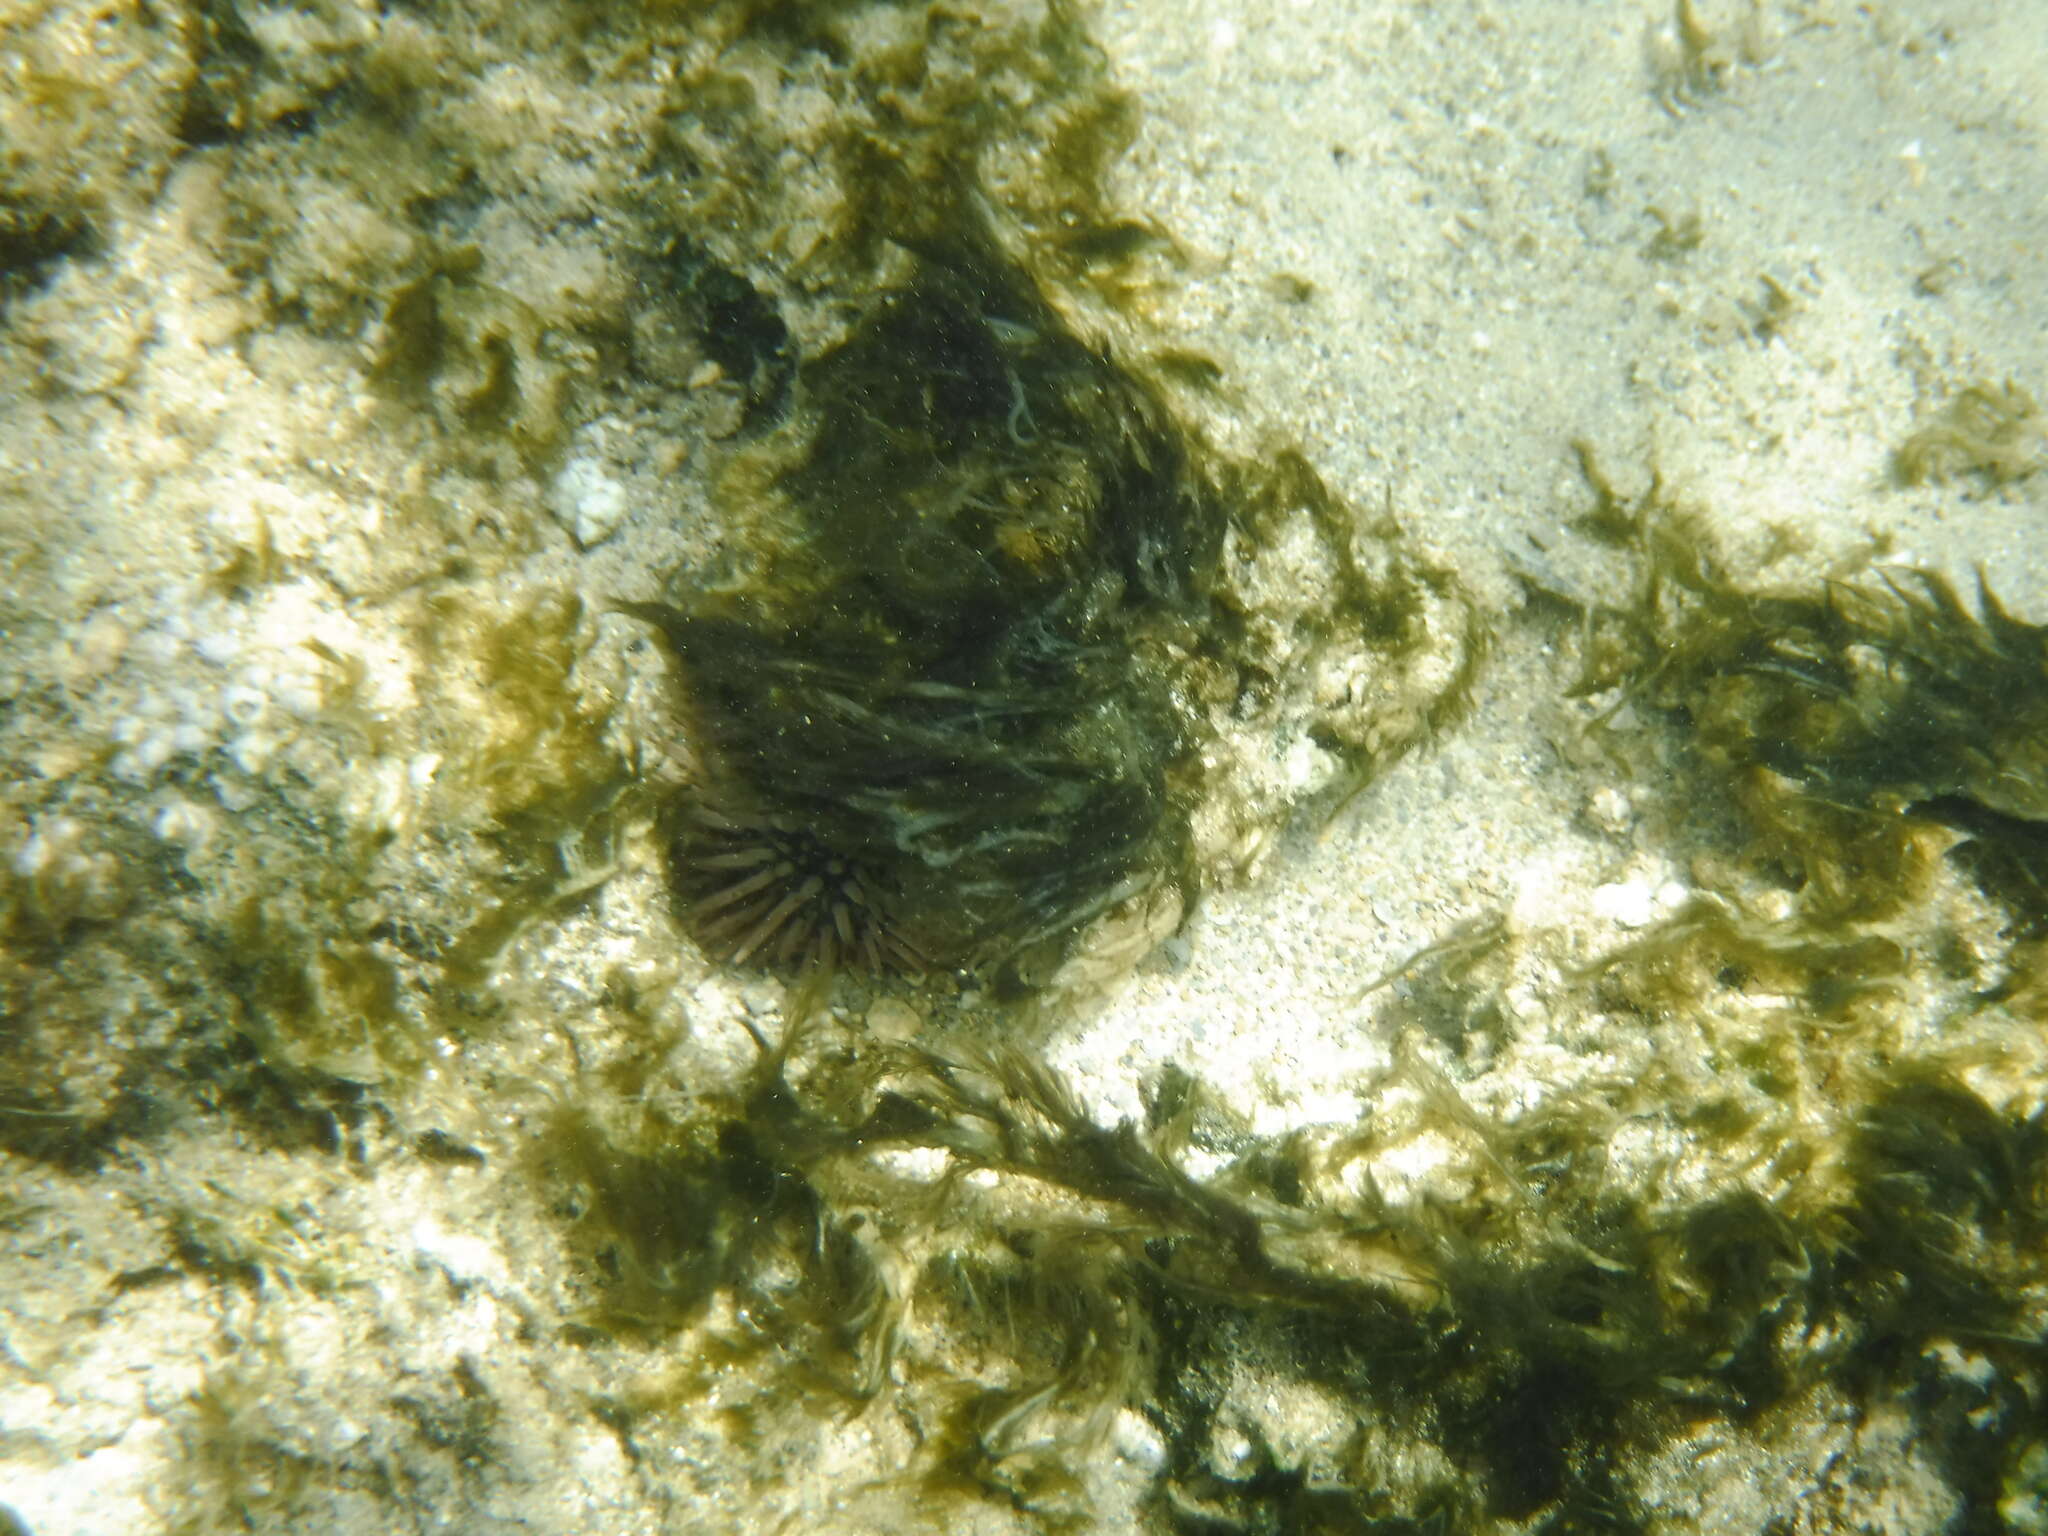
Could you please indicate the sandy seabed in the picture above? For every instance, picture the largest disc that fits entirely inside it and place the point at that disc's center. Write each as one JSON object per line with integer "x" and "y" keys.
{"x": 339, "y": 407}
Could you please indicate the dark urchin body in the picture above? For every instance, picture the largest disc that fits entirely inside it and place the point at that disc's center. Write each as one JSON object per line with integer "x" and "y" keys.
{"x": 762, "y": 890}
{"x": 979, "y": 542}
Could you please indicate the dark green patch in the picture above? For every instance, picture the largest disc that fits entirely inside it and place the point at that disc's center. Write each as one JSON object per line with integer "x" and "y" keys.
{"x": 33, "y": 239}
{"x": 287, "y": 1107}
{"x": 1853, "y": 719}
{"x": 971, "y": 621}
{"x": 457, "y": 1415}
{"x": 1541, "y": 1360}
{"x": 951, "y": 674}
{"x": 740, "y": 329}
{"x": 437, "y": 1146}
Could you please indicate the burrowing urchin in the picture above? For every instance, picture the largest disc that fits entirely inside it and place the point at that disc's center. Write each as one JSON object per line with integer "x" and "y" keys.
{"x": 763, "y": 890}
{"x": 971, "y": 633}
{"x": 931, "y": 700}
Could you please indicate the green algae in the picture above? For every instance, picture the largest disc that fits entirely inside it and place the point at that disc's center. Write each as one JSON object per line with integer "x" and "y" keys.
{"x": 984, "y": 560}
{"x": 1866, "y": 725}
{"x": 1537, "y": 1351}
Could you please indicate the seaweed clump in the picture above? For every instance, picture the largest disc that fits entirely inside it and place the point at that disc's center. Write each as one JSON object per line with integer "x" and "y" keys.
{"x": 1994, "y": 431}
{"x": 952, "y": 677}
{"x": 1522, "y": 1355}
{"x": 1892, "y": 707}
{"x": 991, "y": 617}
{"x": 1870, "y": 725}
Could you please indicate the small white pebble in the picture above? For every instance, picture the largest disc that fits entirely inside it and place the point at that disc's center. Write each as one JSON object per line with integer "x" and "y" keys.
{"x": 587, "y": 501}
{"x": 924, "y": 1164}
{"x": 159, "y": 646}
{"x": 181, "y": 821}
{"x": 96, "y": 649}
{"x": 1136, "y": 1441}
{"x": 58, "y": 839}
{"x": 379, "y": 800}
{"x": 31, "y": 857}
{"x": 300, "y": 696}
{"x": 243, "y": 705}
{"x": 155, "y": 750}
{"x": 893, "y": 1019}
{"x": 253, "y": 750}
{"x": 1629, "y": 903}
{"x": 1609, "y": 810}
{"x": 1232, "y": 1449}
{"x": 1914, "y": 158}
{"x": 233, "y": 796}
{"x": 219, "y": 647}
{"x": 462, "y": 1254}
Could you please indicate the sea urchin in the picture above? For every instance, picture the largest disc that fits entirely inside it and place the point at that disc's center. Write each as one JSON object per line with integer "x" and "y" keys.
{"x": 762, "y": 890}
